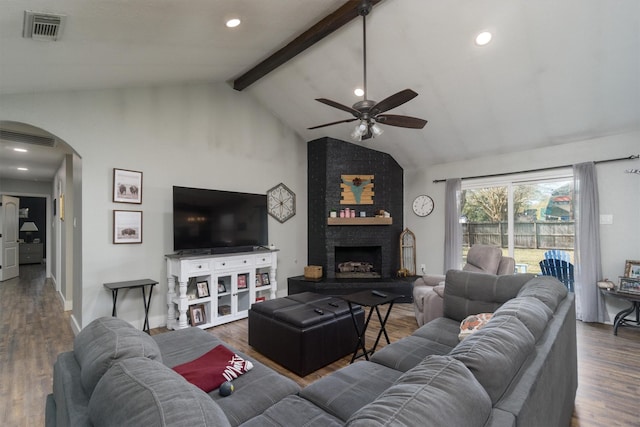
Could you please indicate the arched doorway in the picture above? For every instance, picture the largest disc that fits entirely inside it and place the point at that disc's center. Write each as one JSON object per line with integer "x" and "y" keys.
{"x": 38, "y": 164}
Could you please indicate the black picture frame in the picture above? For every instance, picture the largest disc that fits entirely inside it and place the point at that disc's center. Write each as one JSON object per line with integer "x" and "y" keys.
{"x": 265, "y": 279}
{"x": 221, "y": 287}
{"x": 202, "y": 289}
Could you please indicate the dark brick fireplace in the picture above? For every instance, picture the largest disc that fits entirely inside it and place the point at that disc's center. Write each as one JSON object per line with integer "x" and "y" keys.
{"x": 328, "y": 160}
{"x": 330, "y": 245}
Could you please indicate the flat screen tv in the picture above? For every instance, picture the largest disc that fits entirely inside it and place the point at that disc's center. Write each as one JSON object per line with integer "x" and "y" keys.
{"x": 218, "y": 221}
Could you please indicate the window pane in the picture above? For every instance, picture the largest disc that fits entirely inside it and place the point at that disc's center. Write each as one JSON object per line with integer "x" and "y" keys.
{"x": 484, "y": 217}
{"x": 542, "y": 220}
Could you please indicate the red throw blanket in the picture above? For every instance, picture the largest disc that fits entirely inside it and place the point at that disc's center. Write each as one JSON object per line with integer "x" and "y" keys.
{"x": 213, "y": 368}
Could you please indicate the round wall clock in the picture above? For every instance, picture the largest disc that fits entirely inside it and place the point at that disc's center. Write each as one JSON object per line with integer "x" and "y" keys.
{"x": 423, "y": 205}
{"x": 281, "y": 202}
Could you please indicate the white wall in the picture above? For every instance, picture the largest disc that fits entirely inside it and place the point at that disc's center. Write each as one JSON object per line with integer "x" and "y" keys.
{"x": 197, "y": 135}
{"x": 619, "y": 195}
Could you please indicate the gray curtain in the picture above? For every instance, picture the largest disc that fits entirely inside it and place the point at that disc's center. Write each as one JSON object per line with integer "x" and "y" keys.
{"x": 590, "y": 306}
{"x": 452, "y": 227}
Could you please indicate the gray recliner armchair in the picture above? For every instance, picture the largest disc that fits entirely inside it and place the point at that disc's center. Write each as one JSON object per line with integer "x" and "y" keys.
{"x": 428, "y": 290}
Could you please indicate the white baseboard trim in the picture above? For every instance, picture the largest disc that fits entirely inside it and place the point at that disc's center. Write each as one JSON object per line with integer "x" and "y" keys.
{"x": 75, "y": 327}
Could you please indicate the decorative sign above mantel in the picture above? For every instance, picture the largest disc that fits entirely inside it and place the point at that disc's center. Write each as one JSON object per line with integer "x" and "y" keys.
{"x": 357, "y": 190}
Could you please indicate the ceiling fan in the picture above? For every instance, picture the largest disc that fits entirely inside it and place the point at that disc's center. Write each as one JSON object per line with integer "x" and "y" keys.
{"x": 369, "y": 112}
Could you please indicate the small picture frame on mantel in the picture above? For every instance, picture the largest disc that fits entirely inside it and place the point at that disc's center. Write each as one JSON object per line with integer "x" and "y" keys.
{"x": 127, "y": 186}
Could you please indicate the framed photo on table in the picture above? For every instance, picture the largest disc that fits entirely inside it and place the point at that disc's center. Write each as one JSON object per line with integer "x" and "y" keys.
{"x": 265, "y": 279}
{"x": 242, "y": 281}
{"x": 632, "y": 269}
{"x": 127, "y": 227}
{"x": 203, "y": 289}
{"x": 127, "y": 186}
{"x": 197, "y": 314}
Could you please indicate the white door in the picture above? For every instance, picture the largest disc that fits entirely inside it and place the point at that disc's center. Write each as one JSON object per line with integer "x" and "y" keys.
{"x": 9, "y": 261}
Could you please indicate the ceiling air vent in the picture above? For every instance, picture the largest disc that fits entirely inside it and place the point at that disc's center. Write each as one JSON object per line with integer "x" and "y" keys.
{"x": 26, "y": 138}
{"x": 42, "y": 26}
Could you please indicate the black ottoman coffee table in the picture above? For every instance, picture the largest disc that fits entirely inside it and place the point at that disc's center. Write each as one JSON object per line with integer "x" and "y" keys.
{"x": 304, "y": 332}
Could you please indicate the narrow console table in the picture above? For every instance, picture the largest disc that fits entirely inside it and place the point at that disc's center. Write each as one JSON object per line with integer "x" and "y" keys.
{"x": 132, "y": 284}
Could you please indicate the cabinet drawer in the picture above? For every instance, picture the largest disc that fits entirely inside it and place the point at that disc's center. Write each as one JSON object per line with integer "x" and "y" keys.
{"x": 263, "y": 260}
{"x": 233, "y": 263}
{"x": 199, "y": 266}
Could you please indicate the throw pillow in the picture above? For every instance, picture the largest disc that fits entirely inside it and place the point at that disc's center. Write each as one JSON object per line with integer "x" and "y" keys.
{"x": 213, "y": 368}
{"x": 473, "y": 323}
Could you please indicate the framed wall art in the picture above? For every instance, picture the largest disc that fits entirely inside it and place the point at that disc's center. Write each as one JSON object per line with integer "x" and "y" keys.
{"x": 127, "y": 227}
{"x": 356, "y": 189}
{"x": 127, "y": 186}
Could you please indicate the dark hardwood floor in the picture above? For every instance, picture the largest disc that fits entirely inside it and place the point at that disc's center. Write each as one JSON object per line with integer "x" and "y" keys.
{"x": 34, "y": 329}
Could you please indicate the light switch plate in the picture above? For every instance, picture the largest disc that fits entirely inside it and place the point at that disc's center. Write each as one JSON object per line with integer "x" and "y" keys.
{"x": 606, "y": 219}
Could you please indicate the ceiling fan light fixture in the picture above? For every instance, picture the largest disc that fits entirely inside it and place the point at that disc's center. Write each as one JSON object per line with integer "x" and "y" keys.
{"x": 359, "y": 131}
{"x": 358, "y": 91}
{"x": 483, "y": 38}
{"x": 376, "y": 130}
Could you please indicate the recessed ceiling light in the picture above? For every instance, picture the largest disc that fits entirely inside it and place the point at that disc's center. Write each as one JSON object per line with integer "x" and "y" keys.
{"x": 358, "y": 91}
{"x": 20, "y": 150}
{"x": 483, "y": 38}
{"x": 232, "y": 23}
{"x": 23, "y": 169}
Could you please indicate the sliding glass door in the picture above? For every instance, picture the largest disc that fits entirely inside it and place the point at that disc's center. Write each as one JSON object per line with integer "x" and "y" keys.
{"x": 526, "y": 216}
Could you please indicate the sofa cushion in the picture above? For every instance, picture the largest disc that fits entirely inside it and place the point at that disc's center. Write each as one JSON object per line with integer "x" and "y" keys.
{"x": 142, "y": 392}
{"x": 547, "y": 289}
{"x": 294, "y": 411}
{"x": 438, "y": 391}
{"x": 495, "y": 353}
{"x": 261, "y": 386}
{"x": 407, "y": 352}
{"x": 350, "y": 388}
{"x": 105, "y": 341}
{"x": 531, "y": 311}
{"x": 441, "y": 330}
{"x": 467, "y": 293}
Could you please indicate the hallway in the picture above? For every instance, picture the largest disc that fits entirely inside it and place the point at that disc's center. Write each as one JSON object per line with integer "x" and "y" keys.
{"x": 33, "y": 331}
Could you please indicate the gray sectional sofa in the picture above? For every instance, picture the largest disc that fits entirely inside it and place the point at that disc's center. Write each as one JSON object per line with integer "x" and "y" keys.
{"x": 520, "y": 369}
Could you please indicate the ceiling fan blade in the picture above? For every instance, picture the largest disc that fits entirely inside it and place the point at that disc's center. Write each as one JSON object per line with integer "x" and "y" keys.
{"x": 393, "y": 101}
{"x": 400, "y": 121}
{"x": 333, "y": 123}
{"x": 339, "y": 106}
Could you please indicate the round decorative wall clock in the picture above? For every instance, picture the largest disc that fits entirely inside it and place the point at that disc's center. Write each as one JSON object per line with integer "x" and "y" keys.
{"x": 281, "y": 202}
{"x": 423, "y": 205}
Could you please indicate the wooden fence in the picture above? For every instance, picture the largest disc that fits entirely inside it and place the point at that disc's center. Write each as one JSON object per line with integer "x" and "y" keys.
{"x": 530, "y": 235}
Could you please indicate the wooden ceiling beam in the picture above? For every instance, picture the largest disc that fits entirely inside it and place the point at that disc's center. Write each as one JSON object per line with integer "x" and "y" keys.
{"x": 346, "y": 13}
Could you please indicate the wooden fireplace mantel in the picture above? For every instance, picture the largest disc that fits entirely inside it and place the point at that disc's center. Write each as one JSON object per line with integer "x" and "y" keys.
{"x": 370, "y": 220}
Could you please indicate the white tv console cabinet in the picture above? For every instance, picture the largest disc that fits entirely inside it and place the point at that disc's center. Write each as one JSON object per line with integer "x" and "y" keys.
{"x": 223, "y": 285}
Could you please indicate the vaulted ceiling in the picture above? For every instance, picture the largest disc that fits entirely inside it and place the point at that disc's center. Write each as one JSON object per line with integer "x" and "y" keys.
{"x": 555, "y": 71}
